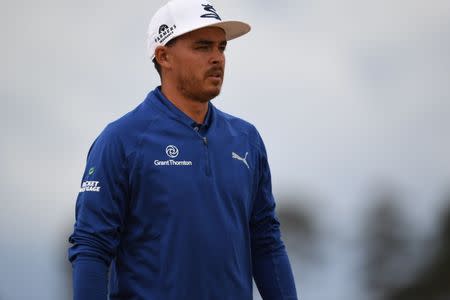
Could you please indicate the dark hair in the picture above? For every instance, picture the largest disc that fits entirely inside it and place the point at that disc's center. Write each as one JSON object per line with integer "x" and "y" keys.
{"x": 155, "y": 62}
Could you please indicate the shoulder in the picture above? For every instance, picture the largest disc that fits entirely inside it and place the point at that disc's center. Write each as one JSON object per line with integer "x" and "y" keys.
{"x": 126, "y": 131}
{"x": 237, "y": 126}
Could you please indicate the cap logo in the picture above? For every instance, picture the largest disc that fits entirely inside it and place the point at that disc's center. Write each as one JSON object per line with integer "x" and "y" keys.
{"x": 211, "y": 12}
{"x": 164, "y": 32}
{"x": 162, "y": 28}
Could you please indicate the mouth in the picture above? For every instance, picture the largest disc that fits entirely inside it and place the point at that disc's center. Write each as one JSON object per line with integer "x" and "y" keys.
{"x": 216, "y": 74}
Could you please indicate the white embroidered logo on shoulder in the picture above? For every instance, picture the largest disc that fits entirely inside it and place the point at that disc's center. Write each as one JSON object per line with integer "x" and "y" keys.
{"x": 90, "y": 186}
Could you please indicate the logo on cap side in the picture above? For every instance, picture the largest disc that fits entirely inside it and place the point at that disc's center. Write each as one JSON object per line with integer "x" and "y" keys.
{"x": 164, "y": 32}
{"x": 212, "y": 12}
{"x": 162, "y": 28}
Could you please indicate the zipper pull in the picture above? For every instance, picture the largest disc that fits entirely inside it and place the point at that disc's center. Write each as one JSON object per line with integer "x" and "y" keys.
{"x": 205, "y": 140}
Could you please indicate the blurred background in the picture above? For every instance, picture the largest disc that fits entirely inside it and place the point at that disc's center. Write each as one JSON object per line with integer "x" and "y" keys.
{"x": 351, "y": 98}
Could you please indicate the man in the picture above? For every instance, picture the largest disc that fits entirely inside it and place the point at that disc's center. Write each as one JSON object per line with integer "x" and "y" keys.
{"x": 176, "y": 198}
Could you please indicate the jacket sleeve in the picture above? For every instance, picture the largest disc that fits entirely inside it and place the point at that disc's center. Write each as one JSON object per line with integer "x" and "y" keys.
{"x": 100, "y": 212}
{"x": 271, "y": 267}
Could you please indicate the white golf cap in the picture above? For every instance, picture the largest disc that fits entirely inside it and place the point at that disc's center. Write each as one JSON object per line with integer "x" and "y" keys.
{"x": 178, "y": 17}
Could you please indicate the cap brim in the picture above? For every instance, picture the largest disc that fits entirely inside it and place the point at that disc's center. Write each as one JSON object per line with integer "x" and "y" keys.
{"x": 233, "y": 29}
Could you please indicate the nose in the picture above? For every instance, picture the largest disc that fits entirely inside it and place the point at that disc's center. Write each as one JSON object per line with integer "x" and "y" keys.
{"x": 217, "y": 56}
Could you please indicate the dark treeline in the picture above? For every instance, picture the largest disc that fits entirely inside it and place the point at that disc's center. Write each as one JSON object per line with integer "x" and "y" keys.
{"x": 397, "y": 263}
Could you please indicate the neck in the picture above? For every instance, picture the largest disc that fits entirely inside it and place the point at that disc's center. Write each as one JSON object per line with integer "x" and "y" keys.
{"x": 195, "y": 109}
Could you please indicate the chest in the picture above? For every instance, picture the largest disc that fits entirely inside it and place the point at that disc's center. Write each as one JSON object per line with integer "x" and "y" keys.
{"x": 190, "y": 176}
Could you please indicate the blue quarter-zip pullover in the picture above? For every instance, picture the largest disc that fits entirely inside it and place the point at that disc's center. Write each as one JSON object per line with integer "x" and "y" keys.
{"x": 179, "y": 210}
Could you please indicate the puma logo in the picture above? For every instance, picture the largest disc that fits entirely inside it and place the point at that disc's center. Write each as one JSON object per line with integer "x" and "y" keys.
{"x": 244, "y": 160}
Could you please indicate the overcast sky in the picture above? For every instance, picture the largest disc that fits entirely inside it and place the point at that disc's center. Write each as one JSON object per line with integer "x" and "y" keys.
{"x": 346, "y": 94}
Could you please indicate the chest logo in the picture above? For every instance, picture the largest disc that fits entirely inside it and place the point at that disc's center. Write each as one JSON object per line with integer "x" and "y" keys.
{"x": 172, "y": 151}
{"x": 244, "y": 159}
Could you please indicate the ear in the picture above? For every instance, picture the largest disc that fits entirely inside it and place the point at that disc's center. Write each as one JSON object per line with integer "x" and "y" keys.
{"x": 162, "y": 56}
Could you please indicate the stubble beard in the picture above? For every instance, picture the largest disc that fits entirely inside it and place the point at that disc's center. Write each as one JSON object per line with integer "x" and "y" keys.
{"x": 192, "y": 88}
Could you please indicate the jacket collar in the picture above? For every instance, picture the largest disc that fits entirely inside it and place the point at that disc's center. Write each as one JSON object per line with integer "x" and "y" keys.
{"x": 165, "y": 105}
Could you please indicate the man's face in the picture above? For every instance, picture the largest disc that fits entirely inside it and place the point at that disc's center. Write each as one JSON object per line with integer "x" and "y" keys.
{"x": 198, "y": 63}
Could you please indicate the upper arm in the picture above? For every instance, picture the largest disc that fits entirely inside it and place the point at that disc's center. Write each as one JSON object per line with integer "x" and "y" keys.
{"x": 102, "y": 200}
{"x": 264, "y": 224}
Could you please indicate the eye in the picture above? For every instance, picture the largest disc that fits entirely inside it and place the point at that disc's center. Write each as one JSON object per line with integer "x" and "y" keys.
{"x": 222, "y": 48}
{"x": 202, "y": 47}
